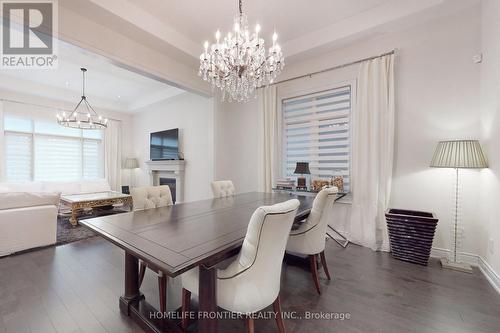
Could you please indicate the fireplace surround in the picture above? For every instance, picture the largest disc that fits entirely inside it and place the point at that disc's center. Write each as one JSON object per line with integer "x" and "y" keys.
{"x": 171, "y": 170}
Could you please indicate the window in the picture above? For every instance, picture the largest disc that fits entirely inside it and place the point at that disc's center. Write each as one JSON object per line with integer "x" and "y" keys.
{"x": 316, "y": 130}
{"x": 43, "y": 150}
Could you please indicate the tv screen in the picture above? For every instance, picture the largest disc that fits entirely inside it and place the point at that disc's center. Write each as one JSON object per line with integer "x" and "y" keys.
{"x": 164, "y": 145}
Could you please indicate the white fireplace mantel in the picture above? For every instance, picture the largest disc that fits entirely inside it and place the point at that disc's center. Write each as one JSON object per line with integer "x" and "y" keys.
{"x": 168, "y": 169}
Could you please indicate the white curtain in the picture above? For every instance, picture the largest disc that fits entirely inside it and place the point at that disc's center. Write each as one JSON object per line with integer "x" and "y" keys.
{"x": 269, "y": 145}
{"x": 372, "y": 152}
{"x": 113, "y": 154}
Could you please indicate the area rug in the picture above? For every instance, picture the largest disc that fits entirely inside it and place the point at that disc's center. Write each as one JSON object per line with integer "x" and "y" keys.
{"x": 66, "y": 233}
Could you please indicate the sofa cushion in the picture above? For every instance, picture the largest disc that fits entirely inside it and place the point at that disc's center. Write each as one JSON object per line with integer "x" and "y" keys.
{"x": 23, "y": 186}
{"x": 24, "y": 199}
{"x": 4, "y": 189}
{"x": 93, "y": 186}
{"x": 62, "y": 187}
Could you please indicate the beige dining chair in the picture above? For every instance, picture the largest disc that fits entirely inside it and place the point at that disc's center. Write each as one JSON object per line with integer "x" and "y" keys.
{"x": 223, "y": 188}
{"x": 150, "y": 197}
{"x": 252, "y": 281}
{"x": 310, "y": 238}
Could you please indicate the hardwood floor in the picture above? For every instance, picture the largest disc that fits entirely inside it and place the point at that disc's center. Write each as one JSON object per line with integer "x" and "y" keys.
{"x": 75, "y": 288}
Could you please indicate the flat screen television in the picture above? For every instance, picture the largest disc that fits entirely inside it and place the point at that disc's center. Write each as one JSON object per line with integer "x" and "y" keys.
{"x": 164, "y": 145}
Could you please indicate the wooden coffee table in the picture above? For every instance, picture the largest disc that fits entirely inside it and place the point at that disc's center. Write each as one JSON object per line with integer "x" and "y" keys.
{"x": 77, "y": 202}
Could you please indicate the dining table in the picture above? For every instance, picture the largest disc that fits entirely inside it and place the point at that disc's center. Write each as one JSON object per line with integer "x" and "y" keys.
{"x": 174, "y": 239}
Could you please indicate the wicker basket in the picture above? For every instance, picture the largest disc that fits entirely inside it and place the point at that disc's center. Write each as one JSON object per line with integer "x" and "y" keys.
{"x": 411, "y": 234}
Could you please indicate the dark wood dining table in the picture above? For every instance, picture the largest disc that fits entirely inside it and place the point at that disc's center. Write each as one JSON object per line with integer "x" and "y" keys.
{"x": 175, "y": 239}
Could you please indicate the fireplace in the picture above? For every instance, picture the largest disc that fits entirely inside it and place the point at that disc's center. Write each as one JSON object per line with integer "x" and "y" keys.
{"x": 171, "y": 173}
{"x": 171, "y": 182}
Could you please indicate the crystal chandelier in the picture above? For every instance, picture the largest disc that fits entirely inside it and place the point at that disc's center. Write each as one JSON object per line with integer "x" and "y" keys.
{"x": 238, "y": 64}
{"x": 83, "y": 116}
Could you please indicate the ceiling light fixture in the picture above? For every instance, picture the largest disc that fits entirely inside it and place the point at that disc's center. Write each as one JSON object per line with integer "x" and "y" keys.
{"x": 85, "y": 117}
{"x": 238, "y": 64}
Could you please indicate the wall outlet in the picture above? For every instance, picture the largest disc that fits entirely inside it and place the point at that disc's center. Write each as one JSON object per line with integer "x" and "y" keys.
{"x": 477, "y": 58}
{"x": 491, "y": 246}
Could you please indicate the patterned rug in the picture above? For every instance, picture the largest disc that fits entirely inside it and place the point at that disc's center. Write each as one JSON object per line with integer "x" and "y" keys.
{"x": 66, "y": 233}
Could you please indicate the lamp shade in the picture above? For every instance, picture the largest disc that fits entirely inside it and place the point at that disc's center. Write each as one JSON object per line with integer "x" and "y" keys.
{"x": 302, "y": 168}
{"x": 131, "y": 163}
{"x": 459, "y": 154}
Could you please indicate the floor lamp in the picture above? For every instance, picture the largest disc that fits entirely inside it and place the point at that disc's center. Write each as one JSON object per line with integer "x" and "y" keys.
{"x": 458, "y": 154}
{"x": 131, "y": 164}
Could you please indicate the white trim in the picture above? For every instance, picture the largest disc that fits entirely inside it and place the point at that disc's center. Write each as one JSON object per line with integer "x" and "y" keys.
{"x": 492, "y": 277}
{"x": 474, "y": 260}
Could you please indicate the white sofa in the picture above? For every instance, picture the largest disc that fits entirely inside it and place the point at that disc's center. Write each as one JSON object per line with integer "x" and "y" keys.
{"x": 28, "y": 211}
{"x": 27, "y": 220}
{"x": 72, "y": 187}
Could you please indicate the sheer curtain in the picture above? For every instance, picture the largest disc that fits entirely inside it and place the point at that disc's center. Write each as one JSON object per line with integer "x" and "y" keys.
{"x": 372, "y": 152}
{"x": 113, "y": 154}
{"x": 268, "y": 110}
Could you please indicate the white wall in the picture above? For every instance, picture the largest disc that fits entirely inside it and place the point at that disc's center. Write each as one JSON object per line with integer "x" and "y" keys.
{"x": 51, "y": 108}
{"x": 489, "y": 229}
{"x": 237, "y": 144}
{"x": 194, "y": 116}
{"x": 437, "y": 98}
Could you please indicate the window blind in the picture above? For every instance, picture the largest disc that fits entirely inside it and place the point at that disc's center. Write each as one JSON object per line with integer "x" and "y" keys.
{"x": 92, "y": 159}
{"x": 57, "y": 158}
{"x": 316, "y": 130}
{"x": 18, "y": 152}
{"x": 42, "y": 150}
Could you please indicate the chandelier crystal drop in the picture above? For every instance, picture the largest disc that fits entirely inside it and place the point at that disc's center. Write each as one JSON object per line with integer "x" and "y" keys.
{"x": 238, "y": 64}
{"x": 83, "y": 115}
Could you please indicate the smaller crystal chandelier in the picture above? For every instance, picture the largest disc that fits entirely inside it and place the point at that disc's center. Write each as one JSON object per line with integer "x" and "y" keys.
{"x": 238, "y": 64}
{"x": 84, "y": 117}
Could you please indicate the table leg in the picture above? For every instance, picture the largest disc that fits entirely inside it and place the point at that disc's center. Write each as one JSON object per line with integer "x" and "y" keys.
{"x": 72, "y": 219}
{"x": 132, "y": 293}
{"x": 207, "y": 300}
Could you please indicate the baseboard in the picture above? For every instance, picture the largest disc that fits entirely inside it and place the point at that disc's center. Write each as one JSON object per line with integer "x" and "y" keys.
{"x": 471, "y": 259}
{"x": 490, "y": 274}
{"x": 474, "y": 260}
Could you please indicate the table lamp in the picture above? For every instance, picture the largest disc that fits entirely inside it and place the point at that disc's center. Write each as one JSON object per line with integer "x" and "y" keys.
{"x": 458, "y": 154}
{"x": 302, "y": 168}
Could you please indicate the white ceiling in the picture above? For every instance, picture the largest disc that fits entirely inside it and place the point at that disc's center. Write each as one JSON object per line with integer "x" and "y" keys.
{"x": 107, "y": 85}
{"x": 292, "y": 18}
{"x": 304, "y": 26}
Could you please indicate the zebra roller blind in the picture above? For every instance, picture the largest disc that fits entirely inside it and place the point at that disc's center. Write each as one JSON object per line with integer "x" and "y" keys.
{"x": 316, "y": 130}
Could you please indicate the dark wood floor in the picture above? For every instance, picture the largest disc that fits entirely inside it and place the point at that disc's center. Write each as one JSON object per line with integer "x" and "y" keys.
{"x": 75, "y": 288}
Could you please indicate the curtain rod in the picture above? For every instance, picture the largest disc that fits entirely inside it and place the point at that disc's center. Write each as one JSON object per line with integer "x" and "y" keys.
{"x": 43, "y": 106}
{"x": 332, "y": 68}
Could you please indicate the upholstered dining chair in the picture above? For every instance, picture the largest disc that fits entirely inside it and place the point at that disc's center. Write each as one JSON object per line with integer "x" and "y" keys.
{"x": 223, "y": 188}
{"x": 310, "y": 238}
{"x": 252, "y": 281}
{"x": 148, "y": 197}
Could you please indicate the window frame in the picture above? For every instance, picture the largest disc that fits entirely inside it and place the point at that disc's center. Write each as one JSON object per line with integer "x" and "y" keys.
{"x": 302, "y": 93}
{"x": 81, "y": 138}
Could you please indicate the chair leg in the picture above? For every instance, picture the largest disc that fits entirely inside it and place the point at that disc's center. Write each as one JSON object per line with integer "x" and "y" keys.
{"x": 314, "y": 271}
{"x": 162, "y": 288}
{"x": 249, "y": 324}
{"x": 323, "y": 263}
{"x": 279, "y": 315}
{"x": 142, "y": 272}
{"x": 186, "y": 304}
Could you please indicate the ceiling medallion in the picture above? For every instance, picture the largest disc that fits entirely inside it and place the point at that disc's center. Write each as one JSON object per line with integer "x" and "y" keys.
{"x": 238, "y": 64}
{"x": 83, "y": 116}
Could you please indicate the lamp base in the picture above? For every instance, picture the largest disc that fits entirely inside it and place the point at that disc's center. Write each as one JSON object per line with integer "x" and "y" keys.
{"x": 456, "y": 266}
